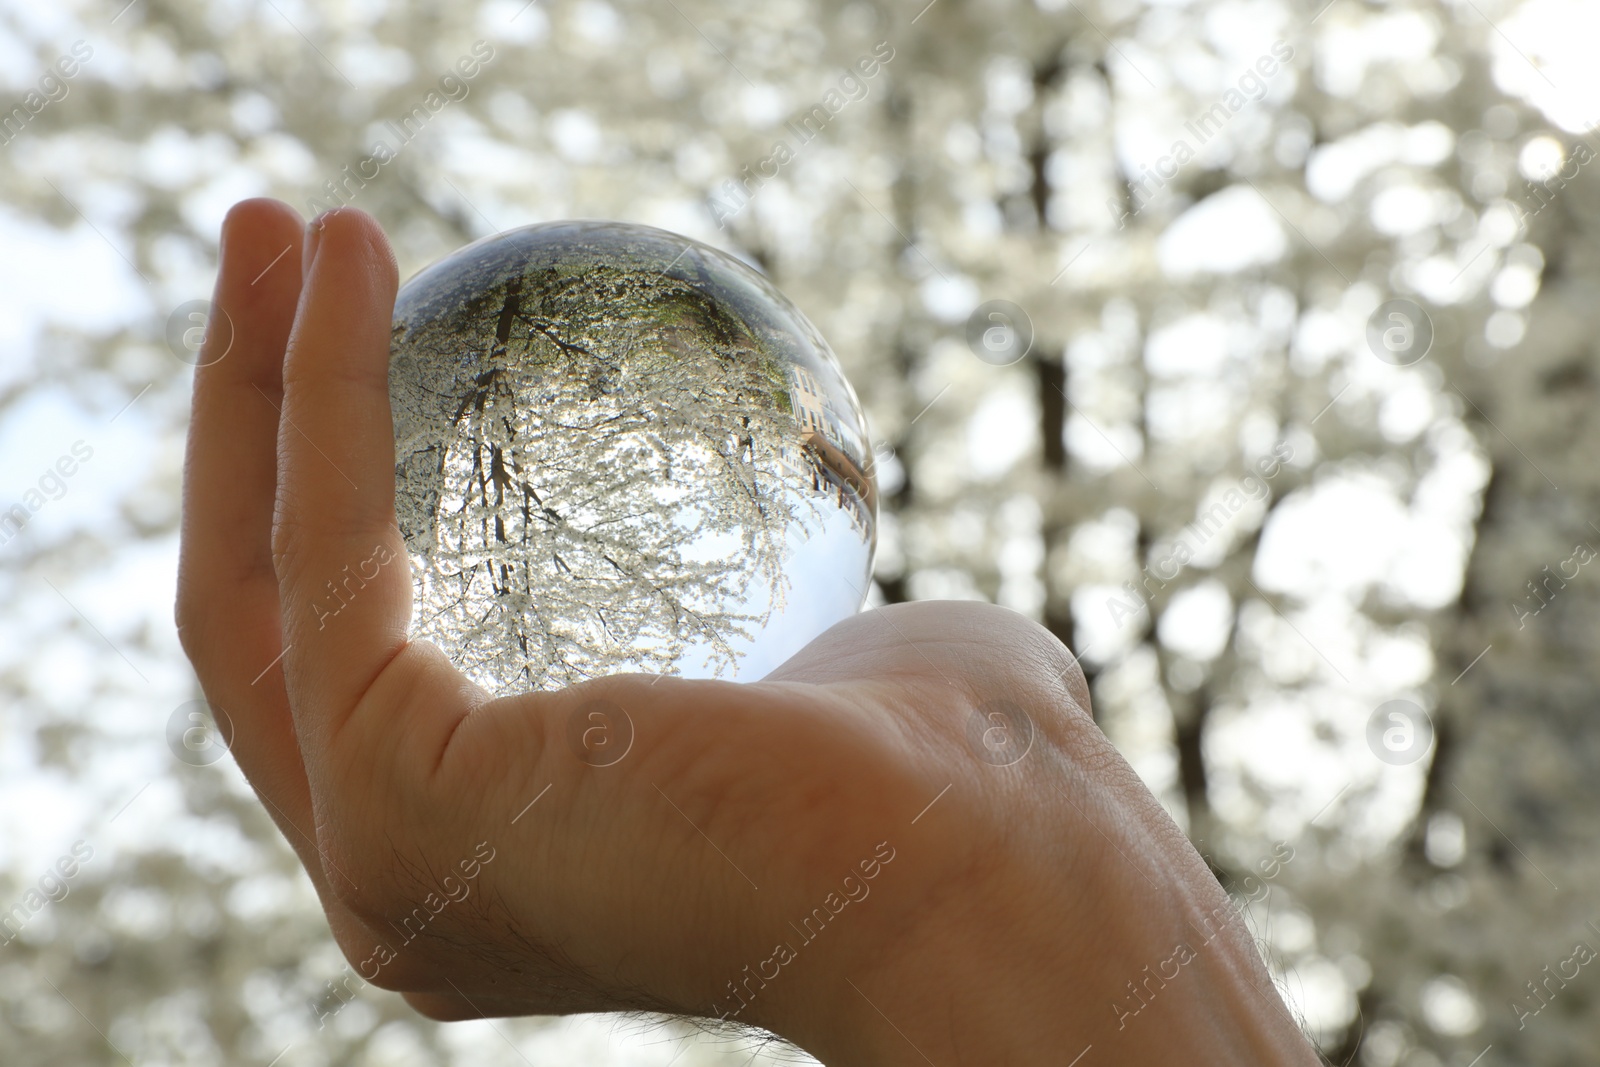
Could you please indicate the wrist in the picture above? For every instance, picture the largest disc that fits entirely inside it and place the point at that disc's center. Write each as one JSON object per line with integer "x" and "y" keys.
{"x": 1080, "y": 963}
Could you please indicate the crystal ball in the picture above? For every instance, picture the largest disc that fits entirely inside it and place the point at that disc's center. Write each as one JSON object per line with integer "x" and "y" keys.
{"x": 619, "y": 449}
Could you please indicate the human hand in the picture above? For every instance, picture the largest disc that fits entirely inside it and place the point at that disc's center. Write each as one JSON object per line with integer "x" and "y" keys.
{"x": 938, "y": 902}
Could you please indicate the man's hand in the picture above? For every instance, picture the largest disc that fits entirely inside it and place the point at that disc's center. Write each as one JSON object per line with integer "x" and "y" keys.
{"x": 909, "y": 844}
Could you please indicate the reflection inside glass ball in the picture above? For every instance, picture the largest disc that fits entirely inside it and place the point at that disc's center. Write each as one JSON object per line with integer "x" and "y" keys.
{"x": 618, "y": 449}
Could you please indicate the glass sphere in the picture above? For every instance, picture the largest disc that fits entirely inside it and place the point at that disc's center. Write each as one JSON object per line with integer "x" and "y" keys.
{"x": 618, "y": 449}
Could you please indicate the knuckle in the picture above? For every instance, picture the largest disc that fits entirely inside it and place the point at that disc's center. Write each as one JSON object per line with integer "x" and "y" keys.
{"x": 195, "y": 617}
{"x": 289, "y": 534}
{"x": 186, "y": 618}
{"x": 363, "y": 889}
{"x": 1042, "y": 665}
{"x": 1021, "y": 658}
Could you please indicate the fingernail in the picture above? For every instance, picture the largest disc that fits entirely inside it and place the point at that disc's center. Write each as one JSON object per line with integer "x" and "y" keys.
{"x": 308, "y": 255}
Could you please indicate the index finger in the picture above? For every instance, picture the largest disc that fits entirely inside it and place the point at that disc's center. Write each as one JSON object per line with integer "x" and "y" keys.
{"x": 344, "y": 582}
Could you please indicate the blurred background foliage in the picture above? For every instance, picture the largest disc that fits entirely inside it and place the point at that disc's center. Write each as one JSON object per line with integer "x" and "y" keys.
{"x": 1424, "y": 541}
